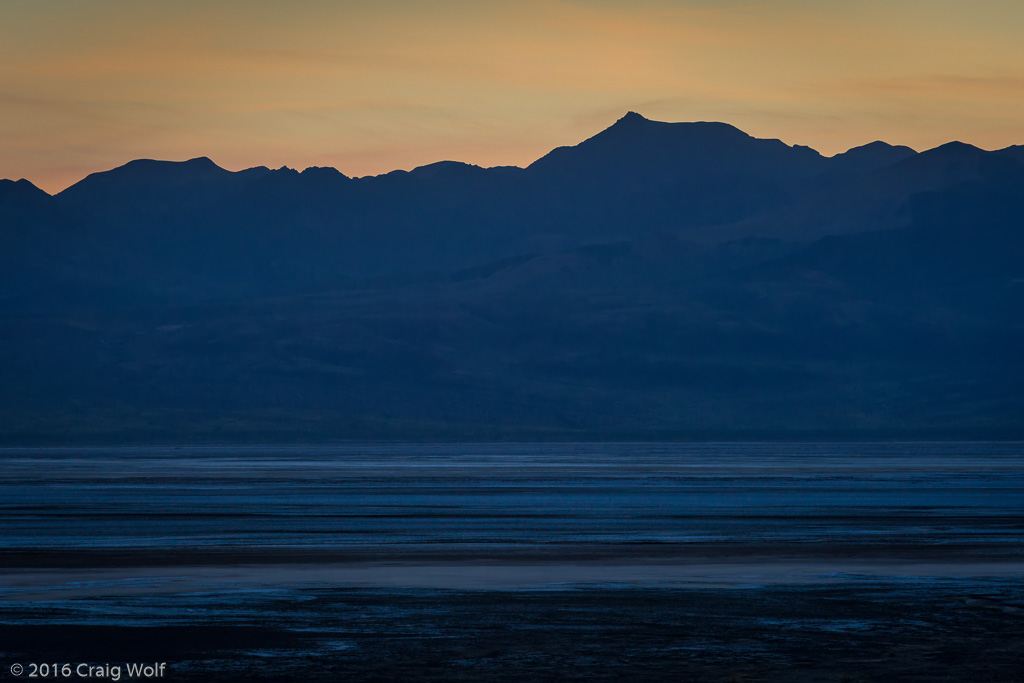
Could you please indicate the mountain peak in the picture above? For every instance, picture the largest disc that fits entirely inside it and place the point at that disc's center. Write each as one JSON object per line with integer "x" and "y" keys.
{"x": 20, "y": 193}
{"x": 323, "y": 172}
{"x": 21, "y": 185}
{"x": 161, "y": 166}
{"x": 201, "y": 162}
{"x": 442, "y": 168}
{"x": 873, "y": 147}
{"x": 869, "y": 158}
{"x": 632, "y": 117}
{"x": 955, "y": 148}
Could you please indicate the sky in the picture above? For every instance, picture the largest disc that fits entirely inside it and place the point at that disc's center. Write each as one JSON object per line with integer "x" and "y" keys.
{"x": 376, "y": 85}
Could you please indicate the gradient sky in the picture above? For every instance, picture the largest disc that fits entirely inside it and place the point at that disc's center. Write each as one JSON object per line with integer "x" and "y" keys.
{"x": 371, "y": 86}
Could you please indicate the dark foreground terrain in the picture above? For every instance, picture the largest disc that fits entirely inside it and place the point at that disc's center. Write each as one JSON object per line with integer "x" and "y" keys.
{"x": 848, "y": 631}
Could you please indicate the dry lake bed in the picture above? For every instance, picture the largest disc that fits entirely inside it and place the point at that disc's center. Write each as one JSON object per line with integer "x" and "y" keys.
{"x": 516, "y": 562}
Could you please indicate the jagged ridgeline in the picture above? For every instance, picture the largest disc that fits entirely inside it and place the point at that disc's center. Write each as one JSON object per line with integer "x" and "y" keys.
{"x": 658, "y": 280}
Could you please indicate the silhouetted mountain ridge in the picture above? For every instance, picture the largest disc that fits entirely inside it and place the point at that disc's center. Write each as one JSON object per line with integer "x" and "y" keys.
{"x": 146, "y": 185}
{"x": 657, "y": 280}
{"x": 20, "y": 190}
{"x": 865, "y": 159}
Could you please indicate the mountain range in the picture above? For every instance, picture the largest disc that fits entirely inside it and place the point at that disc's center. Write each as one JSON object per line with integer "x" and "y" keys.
{"x": 656, "y": 281}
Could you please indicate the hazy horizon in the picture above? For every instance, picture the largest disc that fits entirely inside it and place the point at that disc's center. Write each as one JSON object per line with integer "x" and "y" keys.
{"x": 448, "y": 159}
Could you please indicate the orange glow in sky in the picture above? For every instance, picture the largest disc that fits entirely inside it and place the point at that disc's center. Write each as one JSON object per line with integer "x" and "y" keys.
{"x": 371, "y": 86}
